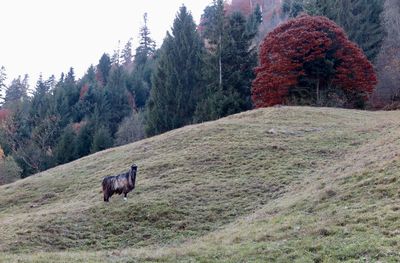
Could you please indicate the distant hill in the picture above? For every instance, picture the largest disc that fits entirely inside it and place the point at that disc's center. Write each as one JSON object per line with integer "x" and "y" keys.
{"x": 284, "y": 184}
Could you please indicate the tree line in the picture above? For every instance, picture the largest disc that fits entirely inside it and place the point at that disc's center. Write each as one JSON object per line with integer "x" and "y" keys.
{"x": 126, "y": 97}
{"x": 200, "y": 72}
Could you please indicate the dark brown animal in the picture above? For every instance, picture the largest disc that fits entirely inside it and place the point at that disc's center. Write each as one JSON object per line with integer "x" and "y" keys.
{"x": 119, "y": 184}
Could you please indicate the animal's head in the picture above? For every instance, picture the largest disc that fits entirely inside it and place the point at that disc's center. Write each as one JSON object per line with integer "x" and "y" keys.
{"x": 134, "y": 168}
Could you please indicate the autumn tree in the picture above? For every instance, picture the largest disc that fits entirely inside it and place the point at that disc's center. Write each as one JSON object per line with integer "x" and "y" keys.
{"x": 311, "y": 59}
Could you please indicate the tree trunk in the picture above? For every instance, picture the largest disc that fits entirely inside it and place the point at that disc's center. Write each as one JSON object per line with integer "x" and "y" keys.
{"x": 220, "y": 60}
{"x": 318, "y": 94}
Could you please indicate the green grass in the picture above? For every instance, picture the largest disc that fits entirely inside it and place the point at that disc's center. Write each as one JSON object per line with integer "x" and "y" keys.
{"x": 289, "y": 184}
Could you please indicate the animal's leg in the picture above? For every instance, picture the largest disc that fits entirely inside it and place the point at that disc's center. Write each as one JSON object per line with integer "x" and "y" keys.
{"x": 125, "y": 198}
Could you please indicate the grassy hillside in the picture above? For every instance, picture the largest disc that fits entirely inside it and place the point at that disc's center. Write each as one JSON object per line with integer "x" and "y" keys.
{"x": 278, "y": 184}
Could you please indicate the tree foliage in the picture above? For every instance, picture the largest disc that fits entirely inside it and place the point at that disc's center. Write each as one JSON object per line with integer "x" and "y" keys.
{"x": 229, "y": 62}
{"x": 17, "y": 92}
{"x": 131, "y": 129}
{"x": 311, "y": 54}
{"x": 140, "y": 80}
{"x": 388, "y": 60}
{"x": 176, "y": 81}
{"x": 361, "y": 19}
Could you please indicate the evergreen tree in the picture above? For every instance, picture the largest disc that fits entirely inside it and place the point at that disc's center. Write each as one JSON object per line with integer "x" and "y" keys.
{"x": 176, "y": 82}
{"x": 65, "y": 149}
{"x": 44, "y": 124}
{"x": 126, "y": 55}
{"x": 213, "y": 32}
{"x": 16, "y": 92}
{"x": 234, "y": 61}
{"x": 101, "y": 140}
{"x": 116, "y": 99}
{"x": 66, "y": 96}
{"x": 147, "y": 46}
{"x": 103, "y": 69}
{"x": 115, "y": 58}
{"x": 254, "y": 22}
{"x": 84, "y": 140}
{"x": 140, "y": 81}
{"x": 39, "y": 103}
{"x": 359, "y": 18}
{"x": 239, "y": 59}
{"x": 293, "y": 8}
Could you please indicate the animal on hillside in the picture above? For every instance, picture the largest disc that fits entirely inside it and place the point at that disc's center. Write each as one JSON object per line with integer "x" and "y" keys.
{"x": 119, "y": 184}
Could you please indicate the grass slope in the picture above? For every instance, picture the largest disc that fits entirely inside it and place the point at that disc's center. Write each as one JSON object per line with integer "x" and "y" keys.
{"x": 278, "y": 184}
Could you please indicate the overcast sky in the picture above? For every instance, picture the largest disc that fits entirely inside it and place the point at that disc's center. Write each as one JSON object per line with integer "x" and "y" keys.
{"x": 49, "y": 36}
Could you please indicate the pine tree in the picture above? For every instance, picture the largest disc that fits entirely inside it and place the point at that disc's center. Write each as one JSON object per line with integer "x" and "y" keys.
{"x": 239, "y": 59}
{"x": 116, "y": 99}
{"x": 116, "y": 56}
{"x": 66, "y": 95}
{"x": 126, "y": 55}
{"x": 65, "y": 149}
{"x": 213, "y": 24}
{"x": 140, "y": 80}
{"x": 233, "y": 61}
{"x": 39, "y": 103}
{"x": 146, "y": 47}
{"x": 293, "y": 8}
{"x": 84, "y": 140}
{"x": 254, "y": 21}
{"x": 17, "y": 91}
{"x": 103, "y": 69}
{"x": 359, "y": 18}
{"x": 176, "y": 82}
{"x": 102, "y": 140}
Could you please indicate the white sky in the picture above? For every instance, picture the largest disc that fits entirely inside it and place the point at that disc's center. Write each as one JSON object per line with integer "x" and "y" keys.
{"x": 50, "y": 36}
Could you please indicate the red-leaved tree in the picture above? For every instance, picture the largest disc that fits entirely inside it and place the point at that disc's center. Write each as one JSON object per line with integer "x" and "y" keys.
{"x": 315, "y": 55}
